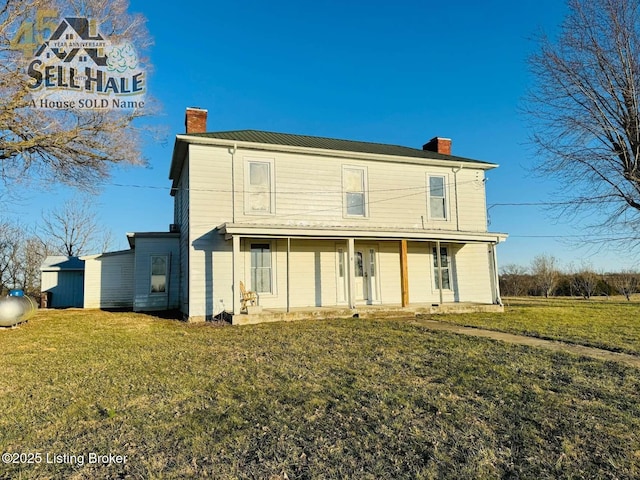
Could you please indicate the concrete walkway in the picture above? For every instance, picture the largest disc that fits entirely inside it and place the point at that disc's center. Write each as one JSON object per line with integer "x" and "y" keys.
{"x": 631, "y": 360}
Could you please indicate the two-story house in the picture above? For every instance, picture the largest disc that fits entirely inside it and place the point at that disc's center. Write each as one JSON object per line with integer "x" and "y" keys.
{"x": 313, "y": 222}
{"x": 302, "y": 222}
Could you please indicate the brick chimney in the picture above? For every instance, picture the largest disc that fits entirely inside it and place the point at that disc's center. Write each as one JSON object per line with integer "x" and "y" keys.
{"x": 196, "y": 120}
{"x": 438, "y": 145}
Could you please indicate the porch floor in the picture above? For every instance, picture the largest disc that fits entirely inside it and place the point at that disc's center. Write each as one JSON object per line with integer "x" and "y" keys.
{"x": 362, "y": 311}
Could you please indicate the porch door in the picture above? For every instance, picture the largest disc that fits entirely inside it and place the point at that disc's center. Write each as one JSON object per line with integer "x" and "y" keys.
{"x": 365, "y": 268}
{"x": 342, "y": 279}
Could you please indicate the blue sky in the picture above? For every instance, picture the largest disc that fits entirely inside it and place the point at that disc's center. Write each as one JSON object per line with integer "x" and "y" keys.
{"x": 390, "y": 72}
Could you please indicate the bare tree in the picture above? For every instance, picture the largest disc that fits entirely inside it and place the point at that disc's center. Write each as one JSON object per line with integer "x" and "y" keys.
{"x": 34, "y": 252}
{"x": 75, "y": 146}
{"x": 585, "y": 281}
{"x": 585, "y": 115}
{"x": 625, "y": 282}
{"x": 10, "y": 239}
{"x": 544, "y": 269}
{"x": 514, "y": 280}
{"x": 73, "y": 230}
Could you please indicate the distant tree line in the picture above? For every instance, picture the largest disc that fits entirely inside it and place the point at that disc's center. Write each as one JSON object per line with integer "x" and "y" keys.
{"x": 544, "y": 277}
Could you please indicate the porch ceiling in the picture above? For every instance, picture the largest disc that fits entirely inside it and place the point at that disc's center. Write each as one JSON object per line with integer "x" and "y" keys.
{"x": 229, "y": 230}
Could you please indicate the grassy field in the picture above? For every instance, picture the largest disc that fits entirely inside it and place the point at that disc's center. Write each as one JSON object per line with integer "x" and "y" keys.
{"x": 355, "y": 398}
{"x": 609, "y": 323}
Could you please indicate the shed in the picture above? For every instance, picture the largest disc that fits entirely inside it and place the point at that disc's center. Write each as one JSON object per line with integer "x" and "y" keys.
{"x": 62, "y": 278}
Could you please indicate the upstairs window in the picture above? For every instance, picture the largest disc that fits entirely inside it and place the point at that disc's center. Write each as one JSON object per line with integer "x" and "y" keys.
{"x": 259, "y": 187}
{"x": 354, "y": 186}
{"x": 437, "y": 199}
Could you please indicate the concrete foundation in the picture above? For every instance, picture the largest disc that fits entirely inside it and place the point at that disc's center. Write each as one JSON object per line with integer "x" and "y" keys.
{"x": 365, "y": 311}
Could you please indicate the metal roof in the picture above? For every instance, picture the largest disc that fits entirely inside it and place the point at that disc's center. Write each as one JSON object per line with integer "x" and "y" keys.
{"x": 59, "y": 262}
{"x": 307, "y": 141}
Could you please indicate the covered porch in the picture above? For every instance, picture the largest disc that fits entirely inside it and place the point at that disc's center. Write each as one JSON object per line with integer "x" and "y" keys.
{"x": 337, "y": 271}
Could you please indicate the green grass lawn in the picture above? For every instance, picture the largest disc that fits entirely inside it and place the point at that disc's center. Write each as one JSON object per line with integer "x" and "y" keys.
{"x": 612, "y": 324}
{"x": 366, "y": 399}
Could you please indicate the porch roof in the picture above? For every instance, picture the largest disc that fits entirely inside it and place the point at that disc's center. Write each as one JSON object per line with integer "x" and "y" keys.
{"x": 229, "y": 230}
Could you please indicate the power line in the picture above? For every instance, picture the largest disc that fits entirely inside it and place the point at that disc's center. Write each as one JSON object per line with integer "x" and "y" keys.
{"x": 557, "y": 203}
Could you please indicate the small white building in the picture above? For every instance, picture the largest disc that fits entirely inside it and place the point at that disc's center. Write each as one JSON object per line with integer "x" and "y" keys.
{"x": 143, "y": 278}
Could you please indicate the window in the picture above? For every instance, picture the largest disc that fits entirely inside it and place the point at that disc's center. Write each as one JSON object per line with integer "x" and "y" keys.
{"x": 259, "y": 187}
{"x": 444, "y": 261}
{"x": 359, "y": 267}
{"x": 437, "y": 198}
{"x": 158, "y": 273}
{"x": 261, "y": 267}
{"x": 354, "y": 187}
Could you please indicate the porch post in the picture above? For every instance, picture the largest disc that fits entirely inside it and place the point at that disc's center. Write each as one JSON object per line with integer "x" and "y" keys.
{"x": 352, "y": 273}
{"x": 439, "y": 263}
{"x": 288, "y": 251}
{"x": 404, "y": 274}
{"x": 496, "y": 276}
{"x": 235, "y": 259}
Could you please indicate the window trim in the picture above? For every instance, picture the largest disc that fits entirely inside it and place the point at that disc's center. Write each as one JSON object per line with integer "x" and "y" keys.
{"x": 272, "y": 268}
{"x": 434, "y": 261}
{"x": 166, "y": 273}
{"x": 248, "y": 189}
{"x": 445, "y": 199}
{"x": 365, "y": 192}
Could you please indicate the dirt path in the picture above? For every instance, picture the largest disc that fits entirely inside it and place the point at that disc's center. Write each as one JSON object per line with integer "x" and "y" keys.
{"x": 599, "y": 353}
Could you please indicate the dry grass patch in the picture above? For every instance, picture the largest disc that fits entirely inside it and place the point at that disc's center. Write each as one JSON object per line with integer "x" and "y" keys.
{"x": 318, "y": 399}
{"x": 608, "y": 323}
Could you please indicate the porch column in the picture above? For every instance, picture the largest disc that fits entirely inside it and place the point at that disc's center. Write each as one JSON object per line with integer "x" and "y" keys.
{"x": 288, "y": 291}
{"x": 235, "y": 259}
{"x": 404, "y": 274}
{"x": 496, "y": 276}
{"x": 439, "y": 264}
{"x": 352, "y": 273}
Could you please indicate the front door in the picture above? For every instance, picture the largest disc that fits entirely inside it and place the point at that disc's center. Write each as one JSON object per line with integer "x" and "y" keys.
{"x": 365, "y": 268}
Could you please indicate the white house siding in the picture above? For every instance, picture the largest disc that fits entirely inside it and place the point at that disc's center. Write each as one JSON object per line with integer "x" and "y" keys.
{"x": 422, "y": 286}
{"x": 309, "y": 193}
{"x": 389, "y": 272}
{"x": 474, "y": 273}
{"x": 109, "y": 280}
{"x": 471, "y": 200}
{"x": 146, "y": 247}
{"x": 210, "y": 256}
{"x": 181, "y": 218}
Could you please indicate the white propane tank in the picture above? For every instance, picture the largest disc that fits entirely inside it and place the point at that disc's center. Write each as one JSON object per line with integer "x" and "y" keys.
{"x": 16, "y": 309}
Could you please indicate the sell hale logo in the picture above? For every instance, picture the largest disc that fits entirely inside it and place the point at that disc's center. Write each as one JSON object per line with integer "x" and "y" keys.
{"x": 78, "y": 68}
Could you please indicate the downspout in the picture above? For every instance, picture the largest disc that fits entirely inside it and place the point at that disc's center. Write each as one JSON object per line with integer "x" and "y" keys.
{"x": 455, "y": 187}
{"x": 233, "y": 183}
{"x": 169, "y": 282}
{"x": 496, "y": 277}
{"x": 439, "y": 263}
